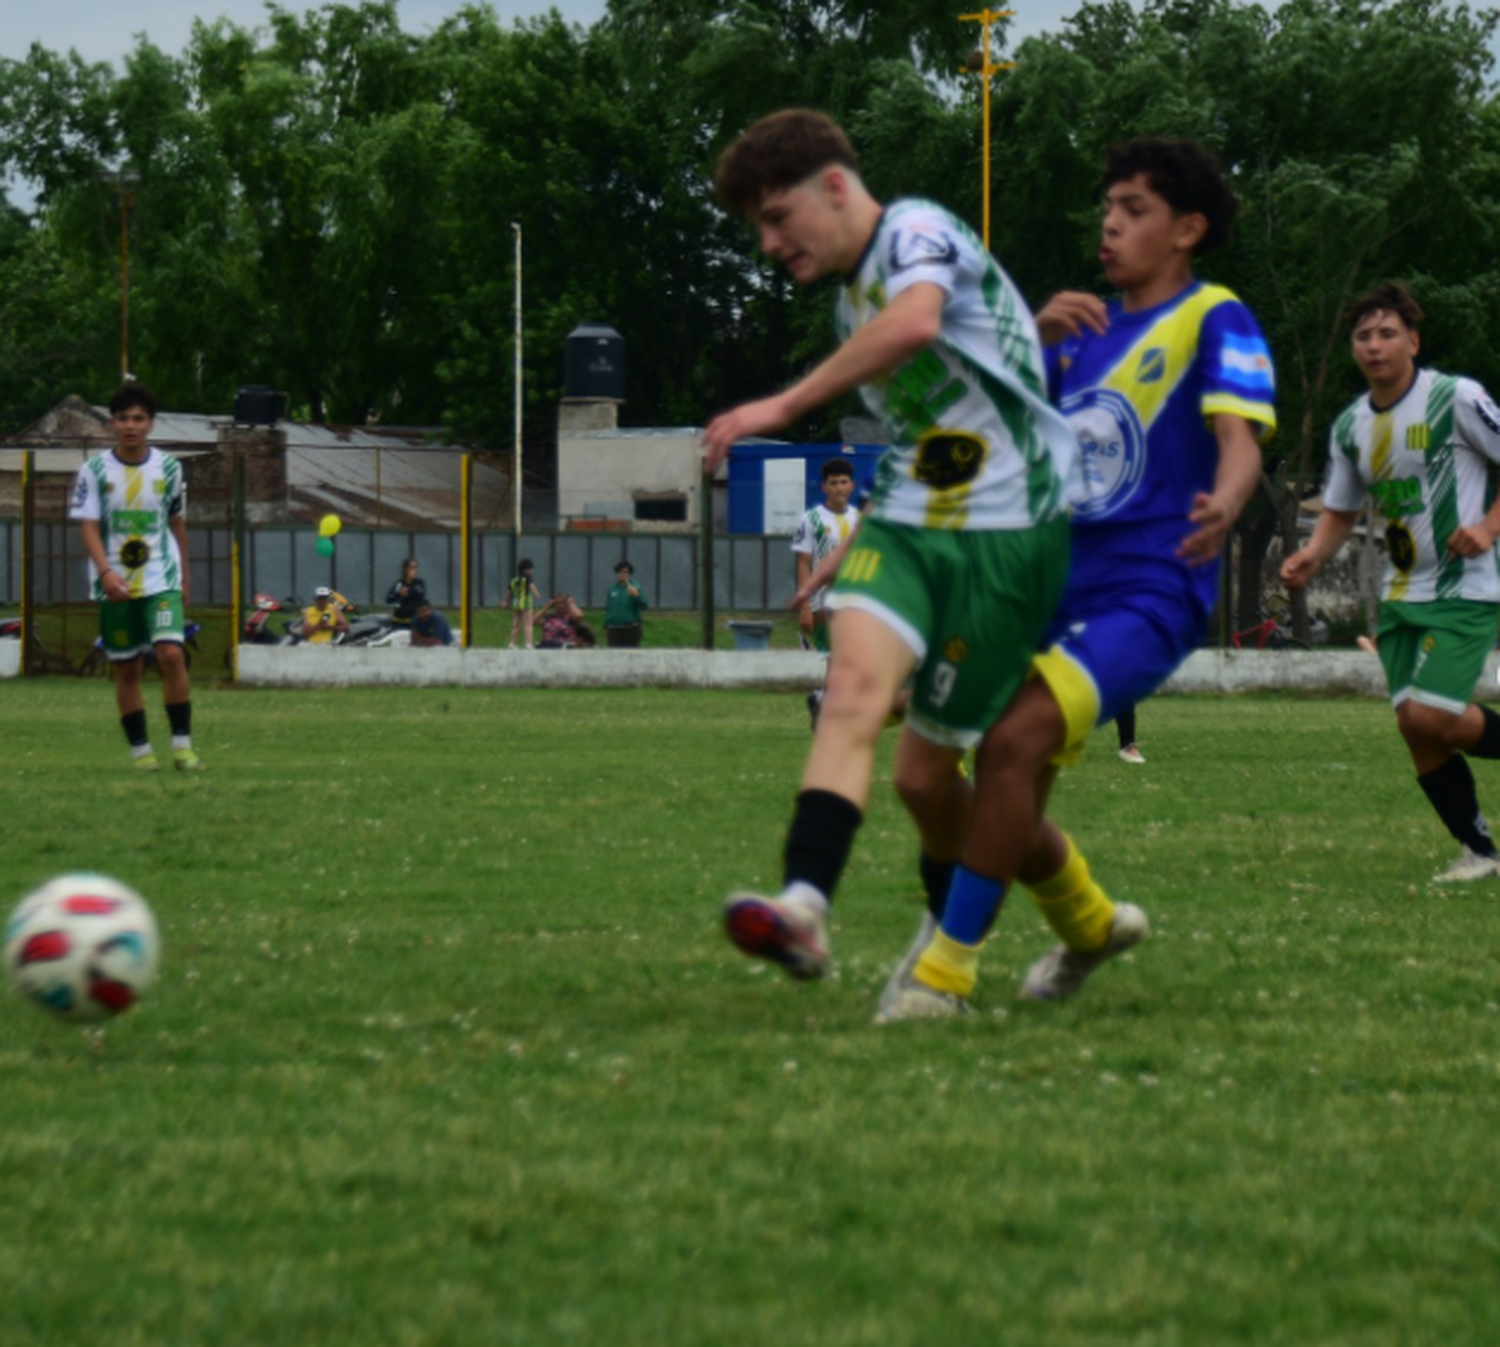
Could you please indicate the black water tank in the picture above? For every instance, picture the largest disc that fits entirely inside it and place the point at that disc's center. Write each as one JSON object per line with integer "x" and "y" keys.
{"x": 594, "y": 364}
{"x": 255, "y": 405}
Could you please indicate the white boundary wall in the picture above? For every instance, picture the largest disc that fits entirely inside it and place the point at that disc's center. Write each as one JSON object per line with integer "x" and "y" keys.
{"x": 1215, "y": 671}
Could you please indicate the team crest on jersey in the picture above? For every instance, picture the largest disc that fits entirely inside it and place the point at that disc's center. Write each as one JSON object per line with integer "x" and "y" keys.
{"x": 1113, "y": 448}
{"x": 134, "y": 553}
{"x": 921, "y": 247}
{"x": 955, "y": 650}
{"x": 1152, "y": 367}
{"x": 1401, "y": 547}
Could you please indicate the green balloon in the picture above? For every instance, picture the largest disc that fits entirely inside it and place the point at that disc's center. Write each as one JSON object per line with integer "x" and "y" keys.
{"x": 325, "y": 547}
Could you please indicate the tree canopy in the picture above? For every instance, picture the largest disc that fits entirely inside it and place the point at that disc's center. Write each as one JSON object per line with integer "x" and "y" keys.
{"x": 327, "y": 203}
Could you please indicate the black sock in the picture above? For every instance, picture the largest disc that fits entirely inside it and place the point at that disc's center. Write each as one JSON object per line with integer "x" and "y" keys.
{"x": 936, "y": 877}
{"x": 1489, "y": 737}
{"x": 180, "y": 718}
{"x": 1125, "y": 724}
{"x": 820, "y": 838}
{"x": 134, "y": 725}
{"x": 1450, "y": 788}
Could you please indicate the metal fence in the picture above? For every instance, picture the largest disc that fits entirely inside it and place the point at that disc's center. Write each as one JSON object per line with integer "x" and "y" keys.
{"x": 754, "y": 573}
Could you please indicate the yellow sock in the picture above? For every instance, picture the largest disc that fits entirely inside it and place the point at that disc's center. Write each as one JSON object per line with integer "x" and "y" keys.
{"x": 947, "y": 966}
{"x": 1074, "y": 906}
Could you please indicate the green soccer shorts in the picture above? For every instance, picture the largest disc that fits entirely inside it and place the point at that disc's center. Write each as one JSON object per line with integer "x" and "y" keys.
{"x": 1434, "y": 652}
{"x": 131, "y": 628}
{"x": 972, "y": 607}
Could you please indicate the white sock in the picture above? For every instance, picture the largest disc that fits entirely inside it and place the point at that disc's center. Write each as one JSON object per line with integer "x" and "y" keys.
{"x": 181, "y": 741}
{"x": 799, "y": 893}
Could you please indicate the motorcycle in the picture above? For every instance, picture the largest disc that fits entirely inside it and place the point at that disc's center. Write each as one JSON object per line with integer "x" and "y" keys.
{"x": 373, "y": 629}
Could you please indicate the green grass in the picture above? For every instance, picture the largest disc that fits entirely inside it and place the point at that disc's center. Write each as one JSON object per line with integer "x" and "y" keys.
{"x": 448, "y": 1048}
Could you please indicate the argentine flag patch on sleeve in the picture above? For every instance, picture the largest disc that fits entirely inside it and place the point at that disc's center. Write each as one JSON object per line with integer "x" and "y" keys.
{"x": 1245, "y": 364}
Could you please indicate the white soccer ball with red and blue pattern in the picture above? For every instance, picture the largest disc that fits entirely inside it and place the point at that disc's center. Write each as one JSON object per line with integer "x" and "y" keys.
{"x": 82, "y": 947}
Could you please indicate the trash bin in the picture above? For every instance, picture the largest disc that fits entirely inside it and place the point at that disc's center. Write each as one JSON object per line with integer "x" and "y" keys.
{"x": 750, "y": 635}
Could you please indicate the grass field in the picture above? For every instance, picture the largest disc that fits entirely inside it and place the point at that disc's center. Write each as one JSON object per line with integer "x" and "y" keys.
{"x": 448, "y": 1048}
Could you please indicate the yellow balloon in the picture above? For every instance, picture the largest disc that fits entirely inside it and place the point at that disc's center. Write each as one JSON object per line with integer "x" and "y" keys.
{"x": 329, "y": 525}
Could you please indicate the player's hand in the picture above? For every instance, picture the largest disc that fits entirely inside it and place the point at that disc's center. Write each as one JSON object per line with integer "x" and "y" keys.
{"x": 1213, "y": 519}
{"x": 1299, "y": 568}
{"x": 739, "y": 423}
{"x": 115, "y": 588}
{"x": 1473, "y": 540}
{"x": 1068, "y": 313}
{"x": 805, "y": 618}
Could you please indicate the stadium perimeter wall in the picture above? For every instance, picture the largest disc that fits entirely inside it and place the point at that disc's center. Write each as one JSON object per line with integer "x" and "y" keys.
{"x": 1217, "y": 671}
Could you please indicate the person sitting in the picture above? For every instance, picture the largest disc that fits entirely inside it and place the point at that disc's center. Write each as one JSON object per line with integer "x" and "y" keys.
{"x": 563, "y": 626}
{"x": 429, "y": 627}
{"x": 324, "y": 621}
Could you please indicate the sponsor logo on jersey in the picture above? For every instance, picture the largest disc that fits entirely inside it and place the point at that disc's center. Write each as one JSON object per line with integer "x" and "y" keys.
{"x": 1153, "y": 365}
{"x": 921, "y": 248}
{"x": 1112, "y": 448}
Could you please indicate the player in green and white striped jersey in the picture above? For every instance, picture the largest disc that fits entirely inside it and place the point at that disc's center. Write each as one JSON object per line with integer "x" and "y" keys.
{"x": 1422, "y": 445}
{"x": 952, "y": 576}
{"x": 131, "y": 508}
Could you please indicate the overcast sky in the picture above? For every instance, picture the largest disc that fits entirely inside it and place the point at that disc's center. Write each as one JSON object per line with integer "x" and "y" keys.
{"x": 105, "y": 30}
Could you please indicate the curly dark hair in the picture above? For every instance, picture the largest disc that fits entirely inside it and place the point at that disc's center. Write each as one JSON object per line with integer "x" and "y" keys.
{"x": 1184, "y": 174}
{"x": 778, "y": 152}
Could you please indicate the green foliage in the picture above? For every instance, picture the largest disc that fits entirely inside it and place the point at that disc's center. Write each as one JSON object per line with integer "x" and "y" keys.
{"x": 448, "y": 1046}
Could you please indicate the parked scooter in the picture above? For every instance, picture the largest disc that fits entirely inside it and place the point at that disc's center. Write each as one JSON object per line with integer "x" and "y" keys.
{"x": 374, "y": 629}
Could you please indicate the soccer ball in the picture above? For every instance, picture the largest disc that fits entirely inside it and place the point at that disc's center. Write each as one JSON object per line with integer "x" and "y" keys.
{"x": 82, "y": 947}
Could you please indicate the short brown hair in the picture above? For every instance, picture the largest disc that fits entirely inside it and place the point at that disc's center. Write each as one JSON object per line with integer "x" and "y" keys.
{"x": 1388, "y": 297}
{"x": 778, "y": 152}
{"x": 133, "y": 395}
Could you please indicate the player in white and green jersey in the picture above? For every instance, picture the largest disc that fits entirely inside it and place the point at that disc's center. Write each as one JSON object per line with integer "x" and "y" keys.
{"x": 953, "y": 574}
{"x": 131, "y": 508}
{"x": 818, "y": 535}
{"x": 1422, "y": 445}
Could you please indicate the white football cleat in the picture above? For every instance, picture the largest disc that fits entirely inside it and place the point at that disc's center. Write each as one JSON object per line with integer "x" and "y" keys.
{"x": 792, "y": 934}
{"x": 1060, "y": 973}
{"x": 1469, "y": 866}
{"x": 1130, "y": 753}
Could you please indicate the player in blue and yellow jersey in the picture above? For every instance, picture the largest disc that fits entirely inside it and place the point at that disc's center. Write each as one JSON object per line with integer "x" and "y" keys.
{"x": 1169, "y": 391}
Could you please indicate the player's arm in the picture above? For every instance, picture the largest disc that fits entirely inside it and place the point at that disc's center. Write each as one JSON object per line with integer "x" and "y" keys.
{"x": 1068, "y": 314}
{"x": 1329, "y": 534}
{"x": 115, "y": 587}
{"x": 178, "y": 526}
{"x": 910, "y": 323}
{"x": 804, "y": 607}
{"x": 1213, "y": 513}
{"x": 1478, "y": 421}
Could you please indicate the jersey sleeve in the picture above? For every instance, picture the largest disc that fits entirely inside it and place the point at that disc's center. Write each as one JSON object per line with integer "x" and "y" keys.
{"x": 1477, "y": 419}
{"x": 1343, "y": 489}
{"x": 1238, "y": 376}
{"x": 85, "y": 503}
{"x": 923, "y": 245}
{"x": 176, "y": 490}
{"x": 802, "y": 539}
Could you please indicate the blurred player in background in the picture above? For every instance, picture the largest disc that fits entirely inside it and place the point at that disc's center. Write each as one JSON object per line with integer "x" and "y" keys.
{"x": 961, "y": 557}
{"x": 131, "y": 508}
{"x": 819, "y": 533}
{"x": 1169, "y": 390}
{"x": 1424, "y": 445}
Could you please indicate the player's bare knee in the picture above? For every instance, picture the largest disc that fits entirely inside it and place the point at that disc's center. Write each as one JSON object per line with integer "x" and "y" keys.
{"x": 1429, "y": 727}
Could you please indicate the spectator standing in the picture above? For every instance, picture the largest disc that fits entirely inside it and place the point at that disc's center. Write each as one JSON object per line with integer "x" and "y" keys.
{"x": 623, "y": 607}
